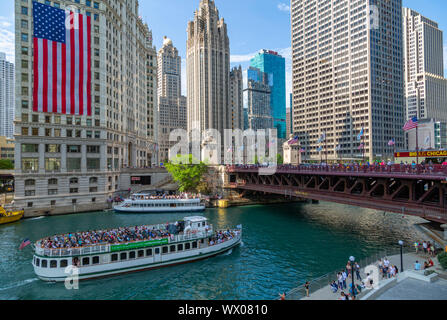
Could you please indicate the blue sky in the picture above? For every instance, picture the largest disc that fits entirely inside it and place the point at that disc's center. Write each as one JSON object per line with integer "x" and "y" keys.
{"x": 252, "y": 25}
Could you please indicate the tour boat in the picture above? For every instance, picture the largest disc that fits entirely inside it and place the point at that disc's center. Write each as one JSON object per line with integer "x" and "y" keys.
{"x": 10, "y": 215}
{"x": 144, "y": 203}
{"x": 185, "y": 241}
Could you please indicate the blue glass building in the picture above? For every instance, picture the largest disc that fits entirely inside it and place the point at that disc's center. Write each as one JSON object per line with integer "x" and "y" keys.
{"x": 274, "y": 65}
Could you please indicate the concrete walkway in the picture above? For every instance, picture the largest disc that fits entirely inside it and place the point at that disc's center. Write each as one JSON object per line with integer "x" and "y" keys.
{"x": 408, "y": 264}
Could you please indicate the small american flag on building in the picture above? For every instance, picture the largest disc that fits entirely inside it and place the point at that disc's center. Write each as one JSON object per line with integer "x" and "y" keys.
{"x": 62, "y": 61}
{"x": 411, "y": 124}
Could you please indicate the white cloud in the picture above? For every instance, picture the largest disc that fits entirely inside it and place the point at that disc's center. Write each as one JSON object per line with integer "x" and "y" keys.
{"x": 242, "y": 58}
{"x": 283, "y": 7}
{"x": 7, "y": 36}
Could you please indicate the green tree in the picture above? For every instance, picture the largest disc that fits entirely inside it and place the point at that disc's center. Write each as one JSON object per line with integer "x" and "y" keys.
{"x": 6, "y": 164}
{"x": 189, "y": 176}
{"x": 279, "y": 159}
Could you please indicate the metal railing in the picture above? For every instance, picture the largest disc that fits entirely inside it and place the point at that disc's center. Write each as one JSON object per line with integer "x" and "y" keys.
{"x": 435, "y": 169}
{"x": 325, "y": 280}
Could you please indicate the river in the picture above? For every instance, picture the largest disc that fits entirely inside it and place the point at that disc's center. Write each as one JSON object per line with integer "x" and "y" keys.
{"x": 283, "y": 246}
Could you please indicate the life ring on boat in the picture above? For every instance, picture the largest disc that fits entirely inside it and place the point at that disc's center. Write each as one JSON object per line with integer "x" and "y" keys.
{"x": 187, "y": 229}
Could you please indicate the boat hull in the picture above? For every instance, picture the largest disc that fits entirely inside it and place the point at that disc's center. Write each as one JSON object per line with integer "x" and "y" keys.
{"x": 121, "y": 268}
{"x": 11, "y": 219}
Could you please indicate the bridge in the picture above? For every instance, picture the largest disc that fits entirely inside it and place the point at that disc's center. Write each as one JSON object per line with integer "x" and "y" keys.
{"x": 410, "y": 190}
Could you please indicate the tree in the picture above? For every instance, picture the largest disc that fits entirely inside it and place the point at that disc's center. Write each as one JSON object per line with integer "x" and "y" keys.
{"x": 6, "y": 164}
{"x": 189, "y": 176}
{"x": 279, "y": 159}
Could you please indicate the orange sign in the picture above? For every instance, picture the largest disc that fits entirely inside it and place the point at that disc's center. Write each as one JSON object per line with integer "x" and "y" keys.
{"x": 422, "y": 154}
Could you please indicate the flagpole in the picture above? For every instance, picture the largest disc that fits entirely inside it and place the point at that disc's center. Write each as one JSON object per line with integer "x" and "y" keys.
{"x": 417, "y": 145}
{"x": 363, "y": 141}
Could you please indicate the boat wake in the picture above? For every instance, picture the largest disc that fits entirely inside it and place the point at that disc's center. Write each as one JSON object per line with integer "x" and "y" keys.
{"x": 228, "y": 252}
{"x": 19, "y": 284}
{"x": 38, "y": 218}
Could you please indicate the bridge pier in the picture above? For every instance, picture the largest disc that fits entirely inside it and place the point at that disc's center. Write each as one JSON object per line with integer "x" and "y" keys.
{"x": 444, "y": 226}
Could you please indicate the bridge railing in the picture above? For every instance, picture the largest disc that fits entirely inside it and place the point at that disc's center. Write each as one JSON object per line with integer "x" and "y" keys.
{"x": 391, "y": 169}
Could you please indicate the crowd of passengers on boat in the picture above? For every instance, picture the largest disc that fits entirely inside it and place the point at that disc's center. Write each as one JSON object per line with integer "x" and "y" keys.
{"x": 166, "y": 197}
{"x": 112, "y": 236}
{"x": 221, "y": 236}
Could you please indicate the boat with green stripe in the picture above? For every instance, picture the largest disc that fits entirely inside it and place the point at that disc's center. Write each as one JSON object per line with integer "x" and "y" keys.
{"x": 190, "y": 240}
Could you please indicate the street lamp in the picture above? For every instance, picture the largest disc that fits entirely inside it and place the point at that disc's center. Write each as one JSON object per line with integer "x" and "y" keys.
{"x": 352, "y": 259}
{"x": 401, "y": 243}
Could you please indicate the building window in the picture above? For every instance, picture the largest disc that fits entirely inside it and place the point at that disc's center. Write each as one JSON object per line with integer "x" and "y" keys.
{"x": 74, "y": 180}
{"x": 52, "y": 164}
{"x": 93, "y": 180}
{"x": 73, "y": 149}
{"x": 73, "y": 164}
{"x": 30, "y": 193}
{"x": 31, "y": 148}
{"x": 53, "y": 148}
{"x": 30, "y": 164}
{"x": 74, "y": 190}
{"x": 52, "y": 192}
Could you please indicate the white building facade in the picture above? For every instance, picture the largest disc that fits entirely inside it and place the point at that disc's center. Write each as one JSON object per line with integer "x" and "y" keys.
{"x": 171, "y": 104}
{"x": 425, "y": 85}
{"x": 347, "y": 75}
{"x": 72, "y": 163}
{"x": 7, "y": 97}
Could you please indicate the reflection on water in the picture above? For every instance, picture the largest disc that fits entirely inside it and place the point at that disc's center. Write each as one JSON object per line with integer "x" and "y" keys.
{"x": 283, "y": 246}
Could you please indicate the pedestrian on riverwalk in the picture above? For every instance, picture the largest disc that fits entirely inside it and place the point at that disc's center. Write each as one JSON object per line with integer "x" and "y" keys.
{"x": 348, "y": 268}
{"x": 282, "y": 296}
{"x": 340, "y": 280}
{"x": 357, "y": 271}
{"x": 425, "y": 246}
{"x": 306, "y": 286}
{"x": 345, "y": 276}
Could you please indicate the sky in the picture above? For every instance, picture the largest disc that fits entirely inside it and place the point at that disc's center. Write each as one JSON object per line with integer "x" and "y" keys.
{"x": 252, "y": 25}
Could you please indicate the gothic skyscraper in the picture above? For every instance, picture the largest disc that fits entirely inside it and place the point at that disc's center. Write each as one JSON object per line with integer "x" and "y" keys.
{"x": 208, "y": 70}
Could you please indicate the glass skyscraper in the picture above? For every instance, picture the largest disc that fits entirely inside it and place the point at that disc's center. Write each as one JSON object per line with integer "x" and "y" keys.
{"x": 274, "y": 65}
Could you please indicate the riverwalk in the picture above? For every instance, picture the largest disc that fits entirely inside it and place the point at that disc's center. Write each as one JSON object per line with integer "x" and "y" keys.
{"x": 319, "y": 290}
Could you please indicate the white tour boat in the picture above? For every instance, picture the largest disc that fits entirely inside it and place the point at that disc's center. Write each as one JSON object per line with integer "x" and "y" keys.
{"x": 192, "y": 239}
{"x": 144, "y": 203}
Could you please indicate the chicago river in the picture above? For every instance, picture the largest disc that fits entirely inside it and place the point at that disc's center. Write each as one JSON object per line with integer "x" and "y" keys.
{"x": 283, "y": 246}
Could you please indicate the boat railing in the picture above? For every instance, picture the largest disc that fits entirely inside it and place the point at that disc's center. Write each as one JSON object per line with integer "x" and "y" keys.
{"x": 191, "y": 236}
{"x": 65, "y": 252}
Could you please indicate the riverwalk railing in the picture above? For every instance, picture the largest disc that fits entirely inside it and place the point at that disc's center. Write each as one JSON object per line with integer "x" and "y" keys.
{"x": 325, "y": 280}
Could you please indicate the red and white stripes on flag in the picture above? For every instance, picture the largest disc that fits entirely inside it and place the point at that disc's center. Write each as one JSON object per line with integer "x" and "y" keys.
{"x": 62, "y": 70}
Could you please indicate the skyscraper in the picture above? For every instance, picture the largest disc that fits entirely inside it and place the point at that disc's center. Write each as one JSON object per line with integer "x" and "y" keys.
{"x": 236, "y": 98}
{"x": 425, "y": 85}
{"x": 257, "y": 99}
{"x": 208, "y": 70}
{"x": 83, "y": 91}
{"x": 273, "y": 64}
{"x": 7, "y": 98}
{"x": 171, "y": 104}
{"x": 347, "y": 75}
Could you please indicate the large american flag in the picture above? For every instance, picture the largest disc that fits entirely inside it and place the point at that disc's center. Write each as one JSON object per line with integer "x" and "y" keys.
{"x": 411, "y": 124}
{"x": 62, "y": 61}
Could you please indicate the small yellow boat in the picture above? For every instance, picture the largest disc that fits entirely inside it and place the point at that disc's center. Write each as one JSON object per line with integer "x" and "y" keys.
{"x": 10, "y": 216}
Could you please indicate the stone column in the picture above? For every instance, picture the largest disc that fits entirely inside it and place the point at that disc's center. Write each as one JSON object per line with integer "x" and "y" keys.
{"x": 41, "y": 158}
{"x": 84, "y": 158}
{"x": 63, "y": 158}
